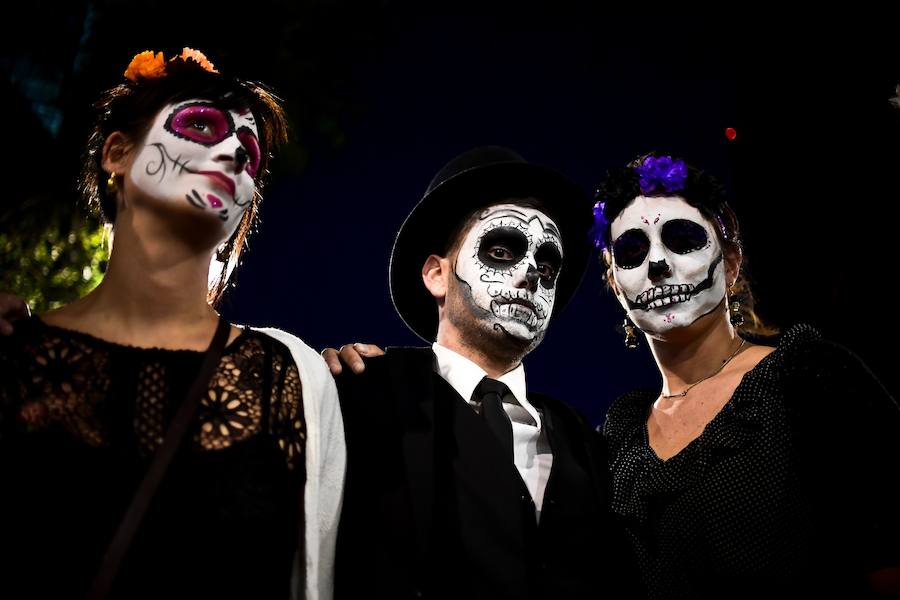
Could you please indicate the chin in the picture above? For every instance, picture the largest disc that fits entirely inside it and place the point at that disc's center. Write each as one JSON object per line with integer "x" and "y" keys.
{"x": 515, "y": 334}
{"x": 680, "y": 327}
{"x": 656, "y": 324}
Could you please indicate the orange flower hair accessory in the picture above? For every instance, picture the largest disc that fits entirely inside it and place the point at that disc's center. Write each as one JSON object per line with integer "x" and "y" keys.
{"x": 147, "y": 65}
{"x": 198, "y": 57}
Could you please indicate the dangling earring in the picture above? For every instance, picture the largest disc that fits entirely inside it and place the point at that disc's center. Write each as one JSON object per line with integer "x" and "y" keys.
{"x": 734, "y": 310}
{"x": 112, "y": 185}
{"x": 631, "y": 339}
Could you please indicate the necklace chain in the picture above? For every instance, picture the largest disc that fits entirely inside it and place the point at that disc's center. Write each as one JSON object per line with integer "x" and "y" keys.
{"x": 683, "y": 393}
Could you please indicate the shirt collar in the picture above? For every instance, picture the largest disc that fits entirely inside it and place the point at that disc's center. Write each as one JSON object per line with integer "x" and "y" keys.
{"x": 463, "y": 375}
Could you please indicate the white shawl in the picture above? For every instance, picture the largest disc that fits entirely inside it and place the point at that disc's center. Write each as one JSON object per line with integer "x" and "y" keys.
{"x": 326, "y": 463}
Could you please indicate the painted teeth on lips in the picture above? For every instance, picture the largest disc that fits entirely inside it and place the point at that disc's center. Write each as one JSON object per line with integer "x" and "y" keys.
{"x": 667, "y": 300}
{"x": 517, "y": 312}
{"x": 663, "y": 291}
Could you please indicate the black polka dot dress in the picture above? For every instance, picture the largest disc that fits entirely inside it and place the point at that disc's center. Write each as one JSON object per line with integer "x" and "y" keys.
{"x": 790, "y": 489}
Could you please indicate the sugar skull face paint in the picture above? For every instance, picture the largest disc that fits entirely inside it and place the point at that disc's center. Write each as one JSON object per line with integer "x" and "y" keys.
{"x": 509, "y": 263}
{"x": 668, "y": 263}
{"x": 202, "y": 155}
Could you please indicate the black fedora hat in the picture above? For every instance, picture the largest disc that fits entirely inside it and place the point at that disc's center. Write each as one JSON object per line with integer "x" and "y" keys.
{"x": 474, "y": 179}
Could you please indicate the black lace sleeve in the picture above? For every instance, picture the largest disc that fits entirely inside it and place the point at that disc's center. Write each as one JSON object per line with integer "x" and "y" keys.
{"x": 287, "y": 420}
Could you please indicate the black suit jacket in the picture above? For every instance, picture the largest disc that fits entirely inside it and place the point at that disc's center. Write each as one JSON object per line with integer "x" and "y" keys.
{"x": 434, "y": 508}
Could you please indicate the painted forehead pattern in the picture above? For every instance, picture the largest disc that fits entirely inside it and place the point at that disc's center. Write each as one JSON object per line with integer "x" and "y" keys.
{"x": 655, "y": 212}
{"x": 655, "y": 208}
{"x": 517, "y": 217}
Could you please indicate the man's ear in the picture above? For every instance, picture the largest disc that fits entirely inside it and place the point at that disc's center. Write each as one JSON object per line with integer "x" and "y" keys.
{"x": 436, "y": 275}
{"x": 116, "y": 153}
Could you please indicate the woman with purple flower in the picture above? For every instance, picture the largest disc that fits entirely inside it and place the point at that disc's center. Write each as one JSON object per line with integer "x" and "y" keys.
{"x": 755, "y": 469}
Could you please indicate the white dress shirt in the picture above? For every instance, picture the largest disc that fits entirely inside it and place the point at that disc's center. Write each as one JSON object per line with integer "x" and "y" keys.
{"x": 531, "y": 451}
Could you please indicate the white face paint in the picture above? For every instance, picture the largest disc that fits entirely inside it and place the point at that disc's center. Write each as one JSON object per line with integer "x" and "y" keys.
{"x": 203, "y": 156}
{"x": 510, "y": 261}
{"x": 668, "y": 263}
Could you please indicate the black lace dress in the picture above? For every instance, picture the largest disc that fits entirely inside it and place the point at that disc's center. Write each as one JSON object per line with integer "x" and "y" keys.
{"x": 790, "y": 491}
{"x": 80, "y": 419}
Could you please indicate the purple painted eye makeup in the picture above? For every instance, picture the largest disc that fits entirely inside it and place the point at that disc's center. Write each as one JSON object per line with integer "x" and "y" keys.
{"x": 201, "y": 123}
{"x": 248, "y": 140}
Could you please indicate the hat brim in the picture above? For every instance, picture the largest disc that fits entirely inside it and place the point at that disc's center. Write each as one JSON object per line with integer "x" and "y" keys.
{"x": 428, "y": 227}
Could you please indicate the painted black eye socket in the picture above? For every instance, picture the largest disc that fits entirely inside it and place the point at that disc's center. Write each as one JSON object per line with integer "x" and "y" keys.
{"x": 683, "y": 237}
{"x": 548, "y": 262}
{"x": 631, "y": 248}
{"x": 502, "y": 247}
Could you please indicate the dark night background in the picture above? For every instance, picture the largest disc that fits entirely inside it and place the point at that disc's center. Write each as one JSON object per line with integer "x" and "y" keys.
{"x": 382, "y": 94}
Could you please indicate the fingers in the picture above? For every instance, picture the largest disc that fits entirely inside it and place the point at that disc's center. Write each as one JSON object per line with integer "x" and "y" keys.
{"x": 331, "y": 359}
{"x": 368, "y": 350}
{"x": 352, "y": 356}
{"x": 11, "y": 308}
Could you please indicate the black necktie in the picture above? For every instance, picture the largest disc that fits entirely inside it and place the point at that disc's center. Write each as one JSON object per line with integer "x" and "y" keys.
{"x": 489, "y": 396}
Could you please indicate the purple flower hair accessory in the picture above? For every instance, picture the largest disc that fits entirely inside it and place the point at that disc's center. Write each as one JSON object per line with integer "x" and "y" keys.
{"x": 661, "y": 173}
{"x": 598, "y": 231}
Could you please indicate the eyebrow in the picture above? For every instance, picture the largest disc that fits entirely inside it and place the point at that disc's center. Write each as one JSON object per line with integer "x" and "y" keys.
{"x": 549, "y": 225}
{"x": 511, "y": 212}
{"x": 503, "y": 212}
{"x": 198, "y": 102}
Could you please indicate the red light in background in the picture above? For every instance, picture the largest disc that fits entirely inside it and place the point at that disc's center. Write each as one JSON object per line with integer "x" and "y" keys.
{"x": 731, "y": 133}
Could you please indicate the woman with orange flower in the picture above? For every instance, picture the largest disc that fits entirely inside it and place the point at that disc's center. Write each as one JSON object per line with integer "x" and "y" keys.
{"x": 139, "y": 459}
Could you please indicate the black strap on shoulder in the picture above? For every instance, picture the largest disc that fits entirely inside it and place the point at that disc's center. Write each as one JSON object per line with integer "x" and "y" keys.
{"x": 109, "y": 566}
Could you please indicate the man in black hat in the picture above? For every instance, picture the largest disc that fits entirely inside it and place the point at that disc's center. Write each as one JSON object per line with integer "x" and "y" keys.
{"x": 460, "y": 483}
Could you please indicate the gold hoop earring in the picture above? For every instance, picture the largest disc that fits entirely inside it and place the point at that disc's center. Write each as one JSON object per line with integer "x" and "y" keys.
{"x": 112, "y": 185}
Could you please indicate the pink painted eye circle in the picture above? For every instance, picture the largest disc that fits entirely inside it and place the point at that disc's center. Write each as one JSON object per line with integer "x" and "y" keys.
{"x": 248, "y": 140}
{"x": 200, "y": 123}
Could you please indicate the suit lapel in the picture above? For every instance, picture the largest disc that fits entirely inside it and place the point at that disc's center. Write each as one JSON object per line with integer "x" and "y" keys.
{"x": 576, "y": 457}
{"x": 559, "y": 447}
